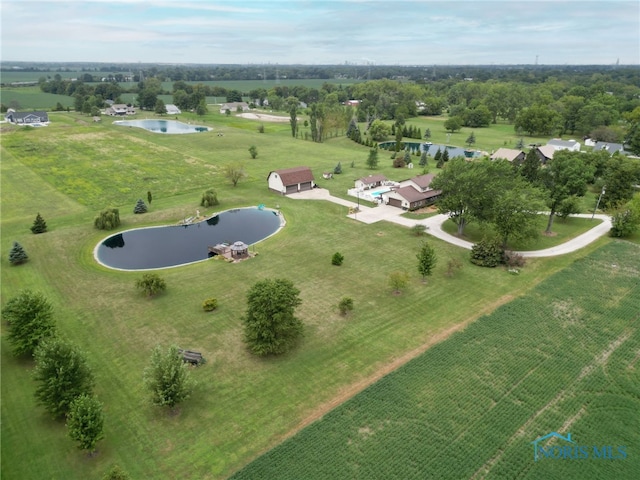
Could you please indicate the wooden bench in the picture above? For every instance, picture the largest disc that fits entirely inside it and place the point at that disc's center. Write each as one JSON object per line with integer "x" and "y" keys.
{"x": 194, "y": 358}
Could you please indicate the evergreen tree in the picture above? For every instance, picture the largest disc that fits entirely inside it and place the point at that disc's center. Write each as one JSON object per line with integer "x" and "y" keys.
{"x": 85, "y": 422}
{"x": 372, "y": 160}
{"x": 438, "y": 159}
{"x": 471, "y": 139}
{"x": 427, "y": 134}
{"x": 17, "y": 255}
{"x": 160, "y": 107}
{"x": 423, "y": 159}
{"x": 30, "y": 319}
{"x": 39, "y": 225}
{"x": 168, "y": 377}
{"x": 140, "y": 207}
{"x": 149, "y": 196}
{"x": 445, "y": 155}
{"x": 62, "y": 374}
{"x": 338, "y": 169}
{"x": 407, "y": 157}
{"x": 520, "y": 144}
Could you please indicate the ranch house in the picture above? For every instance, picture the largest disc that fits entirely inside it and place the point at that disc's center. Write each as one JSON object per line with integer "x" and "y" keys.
{"x": 27, "y": 118}
{"x": 408, "y": 198}
{"x": 120, "y": 109}
{"x": 234, "y": 106}
{"x": 508, "y": 154}
{"x": 291, "y": 180}
{"x": 370, "y": 181}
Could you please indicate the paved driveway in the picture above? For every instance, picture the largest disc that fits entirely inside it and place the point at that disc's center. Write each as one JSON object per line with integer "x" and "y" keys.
{"x": 434, "y": 224}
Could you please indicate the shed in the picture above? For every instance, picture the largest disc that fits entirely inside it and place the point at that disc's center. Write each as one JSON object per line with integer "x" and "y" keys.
{"x": 291, "y": 180}
{"x": 370, "y": 181}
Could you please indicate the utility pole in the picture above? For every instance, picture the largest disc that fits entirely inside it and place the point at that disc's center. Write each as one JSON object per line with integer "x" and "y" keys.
{"x": 598, "y": 203}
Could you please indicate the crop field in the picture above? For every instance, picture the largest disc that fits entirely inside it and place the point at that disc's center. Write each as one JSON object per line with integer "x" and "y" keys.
{"x": 32, "y": 98}
{"x": 565, "y": 357}
{"x": 243, "y": 405}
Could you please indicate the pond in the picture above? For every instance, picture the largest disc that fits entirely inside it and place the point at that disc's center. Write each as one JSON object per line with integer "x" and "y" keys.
{"x": 162, "y": 126}
{"x": 432, "y": 148}
{"x": 174, "y": 245}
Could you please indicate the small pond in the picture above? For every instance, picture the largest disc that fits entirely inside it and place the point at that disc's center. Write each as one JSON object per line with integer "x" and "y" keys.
{"x": 432, "y": 148}
{"x": 162, "y": 126}
{"x": 174, "y": 245}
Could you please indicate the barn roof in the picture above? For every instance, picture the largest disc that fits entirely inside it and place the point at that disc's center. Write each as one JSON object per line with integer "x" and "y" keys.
{"x": 295, "y": 175}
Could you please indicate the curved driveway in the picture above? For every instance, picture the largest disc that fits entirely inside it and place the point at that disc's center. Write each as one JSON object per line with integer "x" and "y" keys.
{"x": 434, "y": 224}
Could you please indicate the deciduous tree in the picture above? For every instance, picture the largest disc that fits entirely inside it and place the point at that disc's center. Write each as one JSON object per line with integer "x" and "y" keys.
{"x": 62, "y": 374}
{"x": 85, "y": 422}
{"x": 398, "y": 281}
{"x": 426, "y": 260}
{"x": 151, "y": 284}
{"x": 30, "y": 319}
{"x": 168, "y": 377}
{"x": 234, "y": 172}
{"x": 209, "y": 198}
{"x": 270, "y": 326}
{"x": 108, "y": 219}
{"x": 565, "y": 175}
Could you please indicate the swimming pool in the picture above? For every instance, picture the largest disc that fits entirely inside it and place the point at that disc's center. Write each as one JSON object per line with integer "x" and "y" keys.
{"x": 377, "y": 192}
{"x": 162, "y": 126}
{"x": 174, "y": 245}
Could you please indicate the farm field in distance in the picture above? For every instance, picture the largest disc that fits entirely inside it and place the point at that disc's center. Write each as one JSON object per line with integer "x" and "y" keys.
{"x": 563, "y": 357}
{"x": 243, "y": 405}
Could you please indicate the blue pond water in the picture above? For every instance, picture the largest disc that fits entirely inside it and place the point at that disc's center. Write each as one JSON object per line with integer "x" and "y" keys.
{"x": 431, "y": 149}
{"x": 170, "y": 246}
{"x": 162, "y": 126}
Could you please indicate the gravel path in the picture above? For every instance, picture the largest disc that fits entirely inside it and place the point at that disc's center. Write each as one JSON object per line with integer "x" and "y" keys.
{"x": 434, "y": 224}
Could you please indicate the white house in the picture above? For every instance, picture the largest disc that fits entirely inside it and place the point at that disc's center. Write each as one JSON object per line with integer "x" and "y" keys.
{"x": 233, "y": 107}
{"x": 558, "y": 144}
{"x": 422, "y": 183}
{"x": 27, "y": 118}
{"x": 370, "y": 181}
{"x": 172, "y": 109}
{"x": 291, "y": 180}
{"x": 120, "y": 109}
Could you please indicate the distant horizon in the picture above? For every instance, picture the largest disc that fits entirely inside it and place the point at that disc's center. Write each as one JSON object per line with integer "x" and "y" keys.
{"x": 7, "y": 64}
{"x": 331, "y": 32}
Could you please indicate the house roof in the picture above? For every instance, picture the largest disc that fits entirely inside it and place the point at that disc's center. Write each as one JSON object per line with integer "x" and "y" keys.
{"x": 509, "y": 154}
{"x": 373, "y": 179}
{"x": 423, "y": 181}
{"x": 547, "y": 151}
{"x": 295, "y": 175}
{"x": 609, "y": 147}
{"x": 411, "y": 195}
{"x": 23, "y": 115}
{"x": 556, "y": 142}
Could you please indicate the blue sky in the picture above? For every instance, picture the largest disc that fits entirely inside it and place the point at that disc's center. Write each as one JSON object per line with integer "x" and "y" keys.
{"x": 388, "y": 32}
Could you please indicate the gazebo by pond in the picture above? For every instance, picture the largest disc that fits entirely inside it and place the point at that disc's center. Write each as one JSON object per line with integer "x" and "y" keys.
{"x": 239, "y": 249}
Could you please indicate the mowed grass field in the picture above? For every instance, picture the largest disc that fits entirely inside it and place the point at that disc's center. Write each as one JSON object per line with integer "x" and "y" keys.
{"x": 243, "y": 405}
{"x": 563, "y": 357}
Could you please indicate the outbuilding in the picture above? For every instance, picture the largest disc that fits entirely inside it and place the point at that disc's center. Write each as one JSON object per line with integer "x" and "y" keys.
{"x": 291, "y": 180}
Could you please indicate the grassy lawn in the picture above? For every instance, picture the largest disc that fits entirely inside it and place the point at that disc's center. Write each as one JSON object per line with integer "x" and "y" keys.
{"x": 242, "y": 405}
{"x": 562, "y": 230}
{"x": 561, "y": 358}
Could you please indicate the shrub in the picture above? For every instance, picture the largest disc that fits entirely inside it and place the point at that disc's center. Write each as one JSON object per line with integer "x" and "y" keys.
{"x": 210, "y": 304}
{"x": 253, "y": 151}
{"x": 487, "y": 253}
{"x": 151, "y": 284}
{"x": 39, "y": 225}
{"x": 108, "y": 219}
{"x": 337, "y": 259}
{"x": 261, "y": 128}
{"x": 116, "y": 473}
{"x": 345, "y": 305}
{"x": 398, "y": 281}
{"x": 17, "y": 255}
{"x": 513, "y": 259}
{"x": 209, "y": 198}
{"x": 624, "y": 223}
{"x": 418, "y": 229}
{"x": 140, "y": 207}
{"x": 398, "y": 162}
